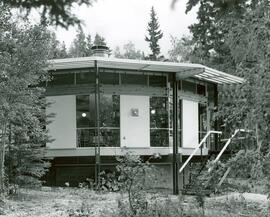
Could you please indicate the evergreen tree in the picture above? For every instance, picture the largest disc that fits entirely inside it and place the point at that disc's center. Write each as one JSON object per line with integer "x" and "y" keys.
{"x": 99, "y": 40}
{"x": 24, "y": 52}
{"x": 237, "y": 35}
{"x": 56, "y": 13}
{"x": 58, "y": 50}
{"x": 89, "y": 45}
{"x": 78, "y": 46}
{"x": 81, "y": 45}
{"x": 154, "y": 35}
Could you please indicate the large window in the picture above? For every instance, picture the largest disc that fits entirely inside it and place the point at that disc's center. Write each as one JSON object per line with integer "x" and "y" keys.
{"x": 159, "y": 122}
{"x": 109, "y": 120}
{"x": 85, "y": 114}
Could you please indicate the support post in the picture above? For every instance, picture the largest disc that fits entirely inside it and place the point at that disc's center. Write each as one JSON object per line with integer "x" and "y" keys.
{"x": 97, "y": 131}
{"x": 175, "y": 138}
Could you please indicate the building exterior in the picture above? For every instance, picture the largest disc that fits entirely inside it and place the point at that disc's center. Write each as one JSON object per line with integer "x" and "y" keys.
{"x": 104, "y": 106}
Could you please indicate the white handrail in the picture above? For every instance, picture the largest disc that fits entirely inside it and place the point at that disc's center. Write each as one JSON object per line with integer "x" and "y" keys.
{"x": 197, "y": 148}
{"x": 227, "y": 144}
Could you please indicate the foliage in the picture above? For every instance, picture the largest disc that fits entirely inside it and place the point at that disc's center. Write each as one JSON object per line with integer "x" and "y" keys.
{"x": 159, "y": 207}
{"x": 234, "y": 36}
{"x": 109, "y": 182}
{"x": 135, "y": 177}
{"x": 23, "y": 60}
{"x": 99, "y": 40}
{"x": 81, "y": 45}
{"x": 181, "y": 50}
{"x": 130, "y": 52}
{"x": 83, "y": 211}
{"x": 154, "y": 35}
{"x": 56, "y": 12}
{"x": 58, "y": 50}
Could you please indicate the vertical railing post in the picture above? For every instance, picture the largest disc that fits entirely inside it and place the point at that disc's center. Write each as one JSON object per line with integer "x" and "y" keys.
{"x": 97, "y": 131}
{"x": 175, "y": 138}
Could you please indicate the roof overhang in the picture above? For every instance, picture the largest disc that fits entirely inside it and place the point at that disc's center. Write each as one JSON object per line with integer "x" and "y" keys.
{"x": 182, "y": 70}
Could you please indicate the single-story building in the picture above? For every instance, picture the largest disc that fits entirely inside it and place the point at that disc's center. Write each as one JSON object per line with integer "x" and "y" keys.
{"x": 104, "y": 106}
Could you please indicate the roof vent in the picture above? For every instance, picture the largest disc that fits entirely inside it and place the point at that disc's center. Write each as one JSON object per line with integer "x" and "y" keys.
{"x": 100, "y": 51}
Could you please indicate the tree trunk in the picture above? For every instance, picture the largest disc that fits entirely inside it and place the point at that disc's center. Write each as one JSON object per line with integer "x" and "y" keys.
{"x": 258, "y": 141}
{"x": 2, "y": 160}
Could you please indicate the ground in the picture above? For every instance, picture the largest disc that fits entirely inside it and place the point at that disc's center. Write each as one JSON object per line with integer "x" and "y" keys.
{"x": 54, "y": 202}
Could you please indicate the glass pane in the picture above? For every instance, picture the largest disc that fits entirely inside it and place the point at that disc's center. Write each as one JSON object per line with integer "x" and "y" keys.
{"x": 110, "y": 120}
{"x": 188, "y": 86}
{"x": 201, "y": 90}
{"x": 62, "y": 79}
{"x": 85, "y": 137}
{"x": 157, "y": 81}
{"x": 85, "y": 111}
{"x": 159, "y": 121}
{"x": 109, "y": 110}
{"x": 202, "y": 121}
{"x": 110, "y": 137}
{"x": 134, "y": 79}
{"x": 86, "y": 77}
{"x": 109, "y": 78}
{"x": 159, "y": 137}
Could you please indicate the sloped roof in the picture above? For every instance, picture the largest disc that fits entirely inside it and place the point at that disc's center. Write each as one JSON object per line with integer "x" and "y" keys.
{"x": 182, "y": 70}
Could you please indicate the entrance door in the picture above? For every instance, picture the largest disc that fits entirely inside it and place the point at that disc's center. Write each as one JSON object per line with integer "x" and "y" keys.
{"x": 134, "y": 121}
{"x": 190, "y": 124}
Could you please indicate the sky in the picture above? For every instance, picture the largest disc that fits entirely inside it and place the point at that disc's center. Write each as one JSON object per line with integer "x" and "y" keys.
{"x": 121, "y": 21}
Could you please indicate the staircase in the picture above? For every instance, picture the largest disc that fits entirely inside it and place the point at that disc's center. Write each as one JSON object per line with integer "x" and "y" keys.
{"x": 194, "y": 180}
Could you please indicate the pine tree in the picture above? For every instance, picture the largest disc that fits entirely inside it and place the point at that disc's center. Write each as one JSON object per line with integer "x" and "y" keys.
{"x": 78, "y": 46}
{"x": 24, "y": 51}
{"x": 58, "y": 50}
{"x": 81, "y": 45}
{"x": 99, "y": 40}
{"x": 154, "y": 35}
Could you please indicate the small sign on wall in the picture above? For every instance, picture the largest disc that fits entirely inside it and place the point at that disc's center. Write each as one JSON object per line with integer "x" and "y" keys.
{"x": 135, "y": 112}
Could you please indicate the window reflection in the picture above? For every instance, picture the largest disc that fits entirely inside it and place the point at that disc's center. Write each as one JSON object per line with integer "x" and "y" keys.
{"x": 202, "y": 121}
{"x": 85, "y": 77}
{"x": 159, "y": 122}
{"x": 62, "y": 79}
{"x": 109, "y": 120}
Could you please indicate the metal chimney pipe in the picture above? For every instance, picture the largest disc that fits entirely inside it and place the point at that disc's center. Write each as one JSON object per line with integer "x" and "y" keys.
{"x": 100, "y": 51}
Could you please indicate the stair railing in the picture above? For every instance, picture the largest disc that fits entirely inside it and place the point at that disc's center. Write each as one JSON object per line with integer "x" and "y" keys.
{"x": 198, "y": 147}
{"x": 226, "y": 145}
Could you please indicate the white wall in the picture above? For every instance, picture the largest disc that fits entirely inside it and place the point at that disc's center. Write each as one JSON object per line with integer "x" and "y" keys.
{"x": 190, "y": 124}
{"x": 135, "y": 131}
{"x": 63, "y": 126}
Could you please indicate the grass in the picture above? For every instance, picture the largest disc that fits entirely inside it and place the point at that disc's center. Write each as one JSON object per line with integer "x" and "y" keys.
{"x": 75, "y": 202}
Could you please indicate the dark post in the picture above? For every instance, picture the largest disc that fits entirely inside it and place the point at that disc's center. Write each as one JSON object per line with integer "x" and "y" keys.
{"x": 175, "y": 138}
{"x": 97, "y": 131}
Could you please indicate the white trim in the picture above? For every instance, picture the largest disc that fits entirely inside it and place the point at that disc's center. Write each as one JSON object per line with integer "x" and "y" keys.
{"x": 207, "y": 74}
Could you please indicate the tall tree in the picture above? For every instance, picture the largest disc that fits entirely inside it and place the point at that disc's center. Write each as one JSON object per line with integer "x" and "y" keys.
{"x": 154, "y": 35}
{"x": 23, "y": 60}
{"x": 58, "y": 50}
{"x": 237, "y": 35}
{"x": 130, "y": 52}
{"x": 99, "y": 40}
{"x": 181, "y": 50}
{"x": 81, "y": 45}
